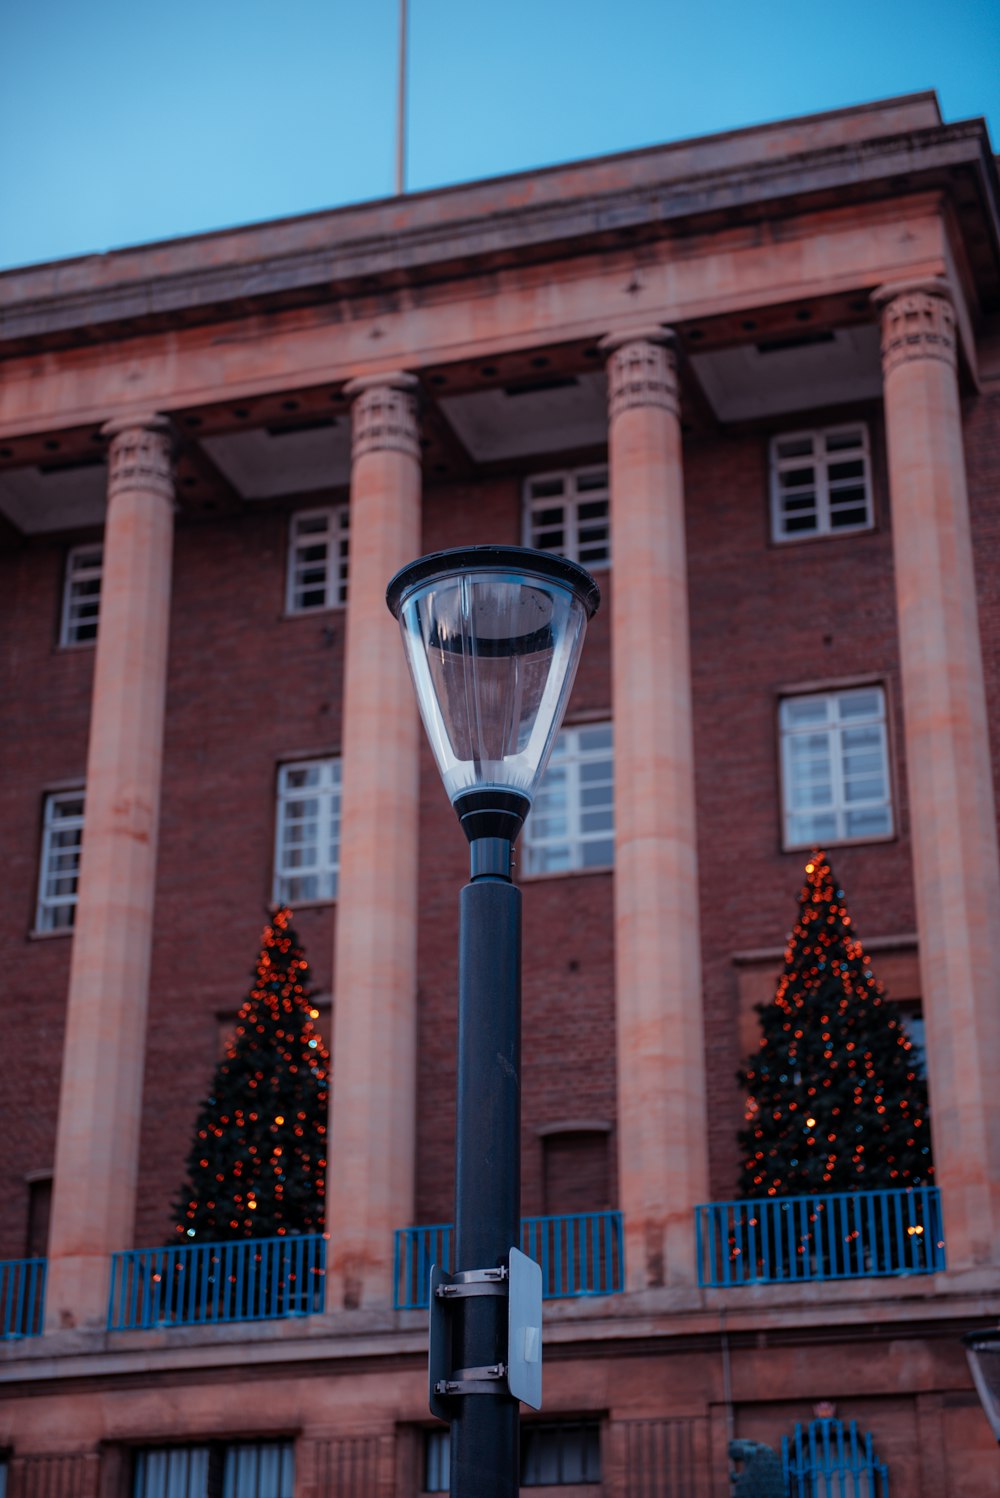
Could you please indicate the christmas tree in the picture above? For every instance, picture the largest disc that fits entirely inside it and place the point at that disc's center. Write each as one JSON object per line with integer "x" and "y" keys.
{"x": 258, "y": 1162}
{"x": 837, "y": 1099}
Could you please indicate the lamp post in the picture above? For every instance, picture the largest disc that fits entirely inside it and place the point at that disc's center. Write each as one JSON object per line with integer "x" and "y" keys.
{"x": 493, "y": 637}
{"x": 983, "y": 1351}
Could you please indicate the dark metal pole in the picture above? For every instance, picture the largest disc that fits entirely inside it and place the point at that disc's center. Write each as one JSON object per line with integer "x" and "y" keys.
{"x": 485, "y": 1459}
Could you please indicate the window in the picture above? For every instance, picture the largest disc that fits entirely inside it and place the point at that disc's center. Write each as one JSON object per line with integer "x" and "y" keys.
{"x": 575, "y": 1174}
{"x": 912, "y": 1020}
{"x": 571, "y": 825}
{"x": 263, "y": 1470}
{"x": 835, "y": 767}
{"x": 568, "y": 513}
{"x": 317, "y": 559}
{"x": 820, "y": 483}
{"x": 553, "y": 1454}
{"x": 62, "y": 835}
{"x": 307, "y": 840}
{"x": 39, "y": 1212}
{"x": 81, "y": 595}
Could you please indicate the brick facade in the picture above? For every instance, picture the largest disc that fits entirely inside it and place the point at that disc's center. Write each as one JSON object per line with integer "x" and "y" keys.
{"x": 670, "y": 1370}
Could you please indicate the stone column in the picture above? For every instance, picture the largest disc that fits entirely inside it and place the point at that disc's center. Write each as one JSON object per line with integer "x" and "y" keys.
{"x": 952, "y": 815}
{"x": 373, "y": 1105}
{"x": 662, "y": 1152}
{"x": 97, "y": 1143}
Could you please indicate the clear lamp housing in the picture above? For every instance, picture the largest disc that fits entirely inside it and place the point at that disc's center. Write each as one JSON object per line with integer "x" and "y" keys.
{"x": 493, "y": 637}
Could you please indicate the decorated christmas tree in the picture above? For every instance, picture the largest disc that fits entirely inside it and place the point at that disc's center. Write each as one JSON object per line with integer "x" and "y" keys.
{"x": 837, "y": 1099}
{"x": 257, "y": 1166}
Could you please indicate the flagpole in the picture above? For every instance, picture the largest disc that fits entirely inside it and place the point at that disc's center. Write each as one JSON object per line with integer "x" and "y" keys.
{"x": 401, "y": 105}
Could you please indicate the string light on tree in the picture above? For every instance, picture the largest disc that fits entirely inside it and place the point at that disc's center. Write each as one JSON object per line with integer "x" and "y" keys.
{"x": 257, "y": 1167}
{"x": 836, "y": 1097}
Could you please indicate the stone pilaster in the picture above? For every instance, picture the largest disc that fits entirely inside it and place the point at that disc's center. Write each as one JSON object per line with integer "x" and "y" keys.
{"x": 662, "y": 1155}
{"x": 373, "y": 1107}
{"x": 952, "y": 814}
{"x": 93, "y": 1205}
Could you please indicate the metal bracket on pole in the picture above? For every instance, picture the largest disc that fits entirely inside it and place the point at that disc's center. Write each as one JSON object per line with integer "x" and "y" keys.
{"x": 519, "y": 1281}
{"x": 473, "y": 1380}
{"x": 473, "y": 1282}
{"x": 444, "y": 1384}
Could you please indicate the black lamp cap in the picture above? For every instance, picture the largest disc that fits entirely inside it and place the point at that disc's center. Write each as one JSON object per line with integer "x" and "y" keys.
{"x": 492, "y": 813}
{"x": 544, "y": 565}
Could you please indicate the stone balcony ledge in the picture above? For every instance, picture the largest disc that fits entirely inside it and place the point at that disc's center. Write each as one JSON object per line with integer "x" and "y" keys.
{"x": 349, "y": 1340}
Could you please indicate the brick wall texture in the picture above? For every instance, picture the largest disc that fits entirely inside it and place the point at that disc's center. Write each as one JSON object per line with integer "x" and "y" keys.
{"x": 249, "y": 687}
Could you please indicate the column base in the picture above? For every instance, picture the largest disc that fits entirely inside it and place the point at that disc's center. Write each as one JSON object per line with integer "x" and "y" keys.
{"x": 76, "y": 1292}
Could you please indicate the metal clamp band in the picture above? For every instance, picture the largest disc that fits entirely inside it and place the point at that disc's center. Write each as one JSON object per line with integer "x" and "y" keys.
{"x": 473, "y": 1380}
{"x": 461, "y": 1292}
{"x": 474, "y": 1282}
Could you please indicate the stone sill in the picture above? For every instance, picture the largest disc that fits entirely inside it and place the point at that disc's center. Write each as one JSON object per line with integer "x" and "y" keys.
{"x": 369, "y": 1336}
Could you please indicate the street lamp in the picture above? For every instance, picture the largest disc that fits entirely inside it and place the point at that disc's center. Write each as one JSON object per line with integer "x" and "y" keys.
{"x": 983, "y": 1351}
{"x": 492, "y": 636}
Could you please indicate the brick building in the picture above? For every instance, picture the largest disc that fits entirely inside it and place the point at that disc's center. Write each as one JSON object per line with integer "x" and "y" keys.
{"x": 752, "y": 381}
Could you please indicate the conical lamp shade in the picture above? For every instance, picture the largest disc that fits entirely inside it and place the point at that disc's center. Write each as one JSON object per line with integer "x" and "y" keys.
{"x": 493, "y": 637}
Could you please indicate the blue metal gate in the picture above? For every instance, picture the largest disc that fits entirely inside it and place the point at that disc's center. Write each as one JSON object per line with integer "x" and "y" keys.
{"x": 827, "y": 1459}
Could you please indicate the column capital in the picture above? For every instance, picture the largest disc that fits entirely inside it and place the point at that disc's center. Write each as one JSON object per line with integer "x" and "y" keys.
{"x": 918, "y": 321}
{"x": 642, "y": 370}
{"x": 384, "y": 414}
{"x": 140, "y": 454}
{"x": 651, "y": 333}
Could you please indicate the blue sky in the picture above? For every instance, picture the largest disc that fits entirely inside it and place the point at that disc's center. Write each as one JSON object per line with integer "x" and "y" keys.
{"x": 122, "y": 121}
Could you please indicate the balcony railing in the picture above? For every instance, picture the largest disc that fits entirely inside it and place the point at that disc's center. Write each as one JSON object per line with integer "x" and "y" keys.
{"x": 580, "y": 1254}
{"x": 846, "y": 1235}
{"x": 208, "y": 1283}
{"x": 22, "y": 1297}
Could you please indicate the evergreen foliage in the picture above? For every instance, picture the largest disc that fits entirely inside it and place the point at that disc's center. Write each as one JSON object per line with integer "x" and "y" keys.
{"x": 837, "y": 1100}
{"x": 257, "y": 1166}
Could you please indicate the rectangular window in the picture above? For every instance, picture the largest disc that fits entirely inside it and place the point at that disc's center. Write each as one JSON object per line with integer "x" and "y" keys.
{"x": 568, "y": 513}
{"x": 245, "y": 1470}
{"x": 575, "y": 1174}
{"x": 553, "y": 1454}
{"x": 307, "y": 838}
{"x": 835, "y": 767}
{"x": 912, "y": 1020}
{"x": 571, "y": 824}
{"x": 62, "y": 836}
{"x": 820, "y": 483}
{"x": 39, "y": 1212}
{"x": 81, "y": 595}
{"x": 317, "y": 559}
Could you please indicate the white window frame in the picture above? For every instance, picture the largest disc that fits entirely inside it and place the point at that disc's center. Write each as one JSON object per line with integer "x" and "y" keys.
{"x": 55, "y": 820}
{"x": 569, "y": 754}
{"x": 78, "y": 571}
{"x": 820, "y": 460}
{"x": 576, "y": 547}
{"x": 833, "y": 728}
{"x": 326, "y": 835}
{"x": 336, "y": 536}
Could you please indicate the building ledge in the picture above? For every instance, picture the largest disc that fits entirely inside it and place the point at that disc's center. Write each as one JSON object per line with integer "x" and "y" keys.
{"x": 290, "y": 262}
{"x": 624, "y": 1324}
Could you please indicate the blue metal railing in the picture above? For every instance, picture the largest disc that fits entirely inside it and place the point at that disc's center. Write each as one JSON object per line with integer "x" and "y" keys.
{"x": 827, "y": 1459}
{"x": 22, "y": 1297}
{"x": 843, "y": 1236}
{"x": 581, "y": 1253}
{"x": 256, "y": 1279}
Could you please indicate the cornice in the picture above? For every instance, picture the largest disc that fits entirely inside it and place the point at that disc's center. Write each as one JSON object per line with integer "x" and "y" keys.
{"x": 388, "y": 245}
